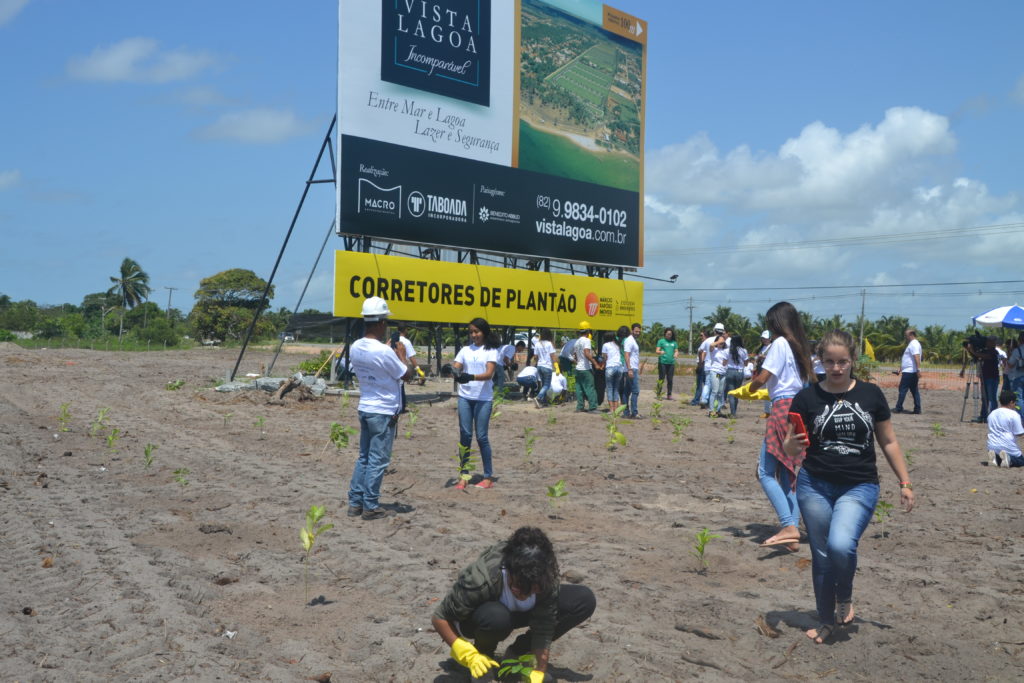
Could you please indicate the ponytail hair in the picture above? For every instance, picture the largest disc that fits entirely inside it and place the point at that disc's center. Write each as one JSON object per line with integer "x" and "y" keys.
{"x": 783, "y": 320}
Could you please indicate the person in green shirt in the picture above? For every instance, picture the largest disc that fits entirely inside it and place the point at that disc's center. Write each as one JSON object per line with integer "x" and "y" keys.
{"x": 667, "y": 352}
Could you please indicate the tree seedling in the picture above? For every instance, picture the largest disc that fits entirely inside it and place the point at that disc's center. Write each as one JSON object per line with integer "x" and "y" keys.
{"x": 174, "y": 384}
{"x": 227, "y": 417}
{"x": 147, "y": 454}
{"x": 937, "y": 429}
{"x": 730, "y": 429}
{"x": 180, "y": 476}
{"x": 309, "y": 533}
{"x": 656, "y": 414}
{"x": 414, "y": 416}
{"x": 615, "y": 437}
{"x": 64, "y": 417}
{"x": 340, "y": 435}
{"x": 529, "y": 439}
{"x": 259, "y": 424}
{"x": 466, "y": 464}
{"x": 659, "y": 389}
{"x": 112, "y": 438}
{"x": 678, "y": 425}
{"x": 701, "y": 540}
{"x": 882, "y": 511}
{"x": 100, "y": 423}
{"x": 522, "y": 666}
{"x": 556, "y": 492}
{"x": 552, "y": 418}
{"x": 909, "y": 457}
{"x": 498, "y": 401}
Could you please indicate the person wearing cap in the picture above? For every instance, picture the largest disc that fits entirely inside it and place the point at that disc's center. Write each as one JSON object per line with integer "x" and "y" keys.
{"x": 710, "y": 345}
{"x": 380, "y": 374}
{"x": 584, "y": 370}
{"x": 766, "y": 341}
{"x": 511, "y": 585}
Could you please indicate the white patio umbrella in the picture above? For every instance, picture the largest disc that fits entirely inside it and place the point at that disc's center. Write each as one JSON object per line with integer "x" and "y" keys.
{"x": 1004, "y": 316}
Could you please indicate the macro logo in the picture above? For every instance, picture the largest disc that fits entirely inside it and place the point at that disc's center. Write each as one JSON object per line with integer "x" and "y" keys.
{"x": 591, "y": 304}
{"x": 373, "y": 198}
{"x": 417, "y": 203}
{"x": 485, "y": 214}
{"x": 440, "y": 46}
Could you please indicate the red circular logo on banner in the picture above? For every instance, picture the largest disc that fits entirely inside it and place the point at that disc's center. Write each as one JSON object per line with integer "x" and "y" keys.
{"x": 591, "y": 304}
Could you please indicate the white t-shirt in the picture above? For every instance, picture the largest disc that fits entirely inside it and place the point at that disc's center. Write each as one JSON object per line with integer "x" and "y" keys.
{"x": 474, "y": 360}
{"x": 736, "y": 365}
{"x": 558, "y": 384}
{"x": 410, "y": 350}
{"x": 719, "y": 359}
{"x": 528, "y": 371}
{"x": 544, "y": 349}
{"x": 582, "y": 363}
{"x": 1003, "y": 426}
{"x": 612, "y": 355}
{"x": 1015, "y": 363}
{"x": 380, "y": 375}
{"x": 785, "y": 379}
{"x": 705, "y": 346}
{"x": 914, "y": 347}
{"x": 748, "y": 370}
{"x": 632, "y": 350}
{"x": 505, "y": 354}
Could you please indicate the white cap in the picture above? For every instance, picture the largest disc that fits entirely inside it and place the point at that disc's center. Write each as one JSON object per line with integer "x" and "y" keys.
{"x": 375, "y": 309}
{"x": 719, "y": 327}
{"x": 766, "y": 335}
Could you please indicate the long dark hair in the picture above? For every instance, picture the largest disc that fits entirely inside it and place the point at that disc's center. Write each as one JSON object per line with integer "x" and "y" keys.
{"x": 783, "y": 320}
{"x": 546, "y": 334}
{"x": 491, "y": 340}
{"x": 530, "y": 560}
{"x": 735, "y": 344}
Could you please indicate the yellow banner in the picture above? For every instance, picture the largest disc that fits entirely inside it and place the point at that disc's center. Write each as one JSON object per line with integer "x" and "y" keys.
{"x": 439, "y": 291}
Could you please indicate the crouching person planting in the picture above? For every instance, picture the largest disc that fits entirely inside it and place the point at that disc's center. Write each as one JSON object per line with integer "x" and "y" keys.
{"x": 511, "y": 585}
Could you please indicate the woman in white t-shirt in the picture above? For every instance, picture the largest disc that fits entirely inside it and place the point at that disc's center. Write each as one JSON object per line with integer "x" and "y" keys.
{"x": 474, "y": 368}
{"x": 719, "y": 353}
{"x": 734, "y": 370}
{"x": 785, "y": 371}
{"x": 614, "y": 368}
{"x": 547, "y": 364}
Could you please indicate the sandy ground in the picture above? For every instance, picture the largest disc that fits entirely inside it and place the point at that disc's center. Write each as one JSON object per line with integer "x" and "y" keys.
{"x": 113, "y": 571}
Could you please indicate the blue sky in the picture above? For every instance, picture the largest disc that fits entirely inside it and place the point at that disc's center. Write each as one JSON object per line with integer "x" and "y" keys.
{"x": 181, "y": 134}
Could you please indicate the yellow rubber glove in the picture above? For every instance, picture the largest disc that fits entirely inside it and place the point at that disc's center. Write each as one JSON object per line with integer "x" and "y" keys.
{"x": 468, "y": 656}
{"x": 744, "y": 393}
{"x": 419, "y": 371}
{"x": 558, "y": 371}
{"x": 536, "y": 676}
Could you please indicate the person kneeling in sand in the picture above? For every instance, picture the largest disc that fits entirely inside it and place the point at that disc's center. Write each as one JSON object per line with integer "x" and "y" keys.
{"x": 511, "y": 585}
{"x": 1004, "y": 426}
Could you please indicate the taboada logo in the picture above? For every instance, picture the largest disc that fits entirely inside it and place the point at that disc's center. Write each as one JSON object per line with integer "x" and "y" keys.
{"x": 591, "y": 304}
{"x": 385, "y": 201}
{"x": 441, "y": 46}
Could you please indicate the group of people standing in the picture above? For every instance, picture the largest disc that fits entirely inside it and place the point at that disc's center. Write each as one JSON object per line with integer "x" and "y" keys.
{"x": 618, "y": 359}
{"x": 723, "y": 365}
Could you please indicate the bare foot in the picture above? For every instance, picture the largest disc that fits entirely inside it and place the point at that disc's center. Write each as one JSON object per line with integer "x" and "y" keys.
{"x": 787, "y": 535}
{"x": 844, "y": 613}
{"x": 821, "y": 634}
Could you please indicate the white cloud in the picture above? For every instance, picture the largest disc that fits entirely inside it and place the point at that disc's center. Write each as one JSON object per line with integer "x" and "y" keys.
{"x": 139, "y": 60}
{"x": 10, "y": 9}
{"x": 202, "y": 97}
{"x": 256, "y": 126}
{"x": 9, "y": 178}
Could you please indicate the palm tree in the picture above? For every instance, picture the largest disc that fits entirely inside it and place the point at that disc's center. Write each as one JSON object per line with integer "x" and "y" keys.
{"x": 132, "y": 286}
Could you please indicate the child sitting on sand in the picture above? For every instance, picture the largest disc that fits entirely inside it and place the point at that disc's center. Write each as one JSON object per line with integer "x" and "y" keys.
{"x": 1004, "y": 426}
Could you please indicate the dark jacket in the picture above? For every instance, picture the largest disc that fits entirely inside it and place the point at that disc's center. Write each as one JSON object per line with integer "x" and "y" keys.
{"x": 480, "y": 582}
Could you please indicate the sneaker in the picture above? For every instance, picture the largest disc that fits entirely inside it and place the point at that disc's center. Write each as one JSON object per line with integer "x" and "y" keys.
{"x": 994, "y": 459}
{"x": 916, "y": 412}
{"x": 538, "y": 403}
{"x": 376, "y": 513}
{"x": 354, "y": 511}
{"x": 1005, "y": 459}
{"x": 484, "y": 484}
{"x": 461, "y": 485}
{"x": 897, "y": 410}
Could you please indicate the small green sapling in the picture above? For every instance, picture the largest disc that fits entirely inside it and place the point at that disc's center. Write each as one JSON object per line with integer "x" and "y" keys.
{"x": 701, "y": 540}
{"x": 309, "y": 533}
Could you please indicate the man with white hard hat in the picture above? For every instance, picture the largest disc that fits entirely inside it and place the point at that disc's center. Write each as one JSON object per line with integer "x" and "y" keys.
{"x": 380, "y": 374}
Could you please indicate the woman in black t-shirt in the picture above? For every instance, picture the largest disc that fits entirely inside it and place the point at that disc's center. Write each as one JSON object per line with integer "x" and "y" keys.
{"x": 837, "y": 488}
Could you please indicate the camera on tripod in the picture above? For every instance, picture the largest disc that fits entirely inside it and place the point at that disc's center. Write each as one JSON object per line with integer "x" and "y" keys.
{"x": 975, "y": 344}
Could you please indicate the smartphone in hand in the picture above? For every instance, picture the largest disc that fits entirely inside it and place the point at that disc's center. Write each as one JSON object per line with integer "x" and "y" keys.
{"x": 798, "y": 424}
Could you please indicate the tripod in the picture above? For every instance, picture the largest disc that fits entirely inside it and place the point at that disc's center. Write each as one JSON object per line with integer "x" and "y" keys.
{"x": 972, "y": 387}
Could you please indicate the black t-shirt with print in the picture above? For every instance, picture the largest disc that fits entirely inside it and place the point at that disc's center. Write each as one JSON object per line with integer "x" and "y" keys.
{"x": 842, "y": 431}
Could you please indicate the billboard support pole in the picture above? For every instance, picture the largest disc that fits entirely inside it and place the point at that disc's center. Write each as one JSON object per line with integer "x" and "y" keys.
{"x": 326, "y": 144}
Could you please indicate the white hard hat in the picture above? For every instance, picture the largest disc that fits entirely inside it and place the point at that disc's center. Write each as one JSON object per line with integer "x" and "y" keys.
{"x": 375, "y": 309}
{"x": 719, "y": 326}
{"x": 766, "y": 335}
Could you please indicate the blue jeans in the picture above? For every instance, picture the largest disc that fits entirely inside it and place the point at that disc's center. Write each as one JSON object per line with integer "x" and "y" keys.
{"x": 612, "y": 377}
{"x": 376, "y": 435}
{"x": 989, "y": 399}
{"x": 698, "y": 384}
{"x": 634, "y": 394}
{"x": 476, "y": 415}
{"x": 1017, "y": 387}
{"x": 545, "y": 383}
{"x": 528, "y": 384}
{"x": 716, "y": 400}
{"x": 733, "y": 380}
{"x": 779, "y": 491}
{"x": 835, "y": 515}
{"x": 908, "y": 382}
{"x": 705, "y": 394}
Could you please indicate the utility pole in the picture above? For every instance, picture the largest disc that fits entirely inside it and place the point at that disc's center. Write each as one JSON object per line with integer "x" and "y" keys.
{"x": 690, "y": 307}
{"x": 170, "y": 291}
{"x": 860, "y": 341}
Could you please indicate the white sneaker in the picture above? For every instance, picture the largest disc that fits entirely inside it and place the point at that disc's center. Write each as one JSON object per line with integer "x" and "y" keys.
{"x": 1006, "y": 459}
{"x": 995, "y": 459}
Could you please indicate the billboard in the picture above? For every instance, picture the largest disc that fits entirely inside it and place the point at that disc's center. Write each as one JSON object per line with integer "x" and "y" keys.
{"x": 497, "y": 125}
{"x": 437, "y": 291}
